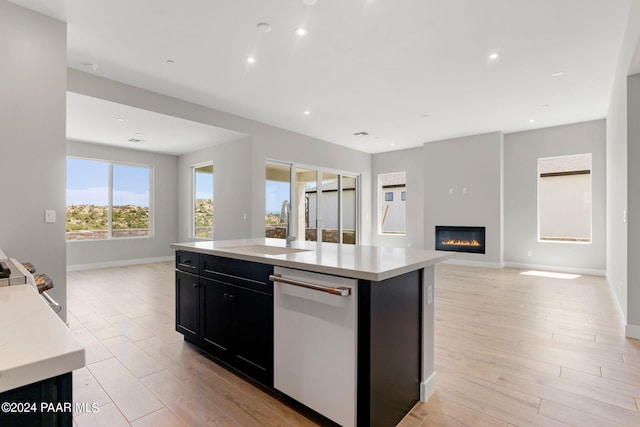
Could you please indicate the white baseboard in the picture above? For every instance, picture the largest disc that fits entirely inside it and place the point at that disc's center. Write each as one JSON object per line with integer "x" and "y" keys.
{"x": 575, "y": 270}
{"x": 427, "y": 387}
{"x": 471, "y": 263}
{"x": 632, "y": 331}
{"x": 119, "y": 263}
{"x": 623, "y": 318}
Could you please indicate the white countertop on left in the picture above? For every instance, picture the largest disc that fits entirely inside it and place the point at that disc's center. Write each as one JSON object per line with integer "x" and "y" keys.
{"x": 34, "y": 343}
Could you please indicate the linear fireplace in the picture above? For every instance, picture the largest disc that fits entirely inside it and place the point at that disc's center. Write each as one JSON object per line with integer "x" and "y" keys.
{"x": 460, "y": 239}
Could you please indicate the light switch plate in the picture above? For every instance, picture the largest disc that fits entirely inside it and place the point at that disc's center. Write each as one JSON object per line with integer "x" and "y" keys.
{"x": 429, "y": 294}
{"x": 49, "y": 215}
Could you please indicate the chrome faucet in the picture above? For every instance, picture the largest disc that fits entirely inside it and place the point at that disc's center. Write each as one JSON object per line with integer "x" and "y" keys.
{"x": 285, "y": 213}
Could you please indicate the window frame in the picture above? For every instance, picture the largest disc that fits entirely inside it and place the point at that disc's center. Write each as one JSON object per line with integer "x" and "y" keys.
{"x": 381, "y": 192}
{"x": 110, "y": 164}
{"x": 193, "y": 199}
{"x": 539, "y": 176}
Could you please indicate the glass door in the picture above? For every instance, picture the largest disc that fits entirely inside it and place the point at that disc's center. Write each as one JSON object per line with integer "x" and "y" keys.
{"x": 309, "y": 203}
{"x": 330, "y": 212}
{"x": 306, "y": 202}
{"x": 349, "y": 209}
{"x": 278, "y": 200}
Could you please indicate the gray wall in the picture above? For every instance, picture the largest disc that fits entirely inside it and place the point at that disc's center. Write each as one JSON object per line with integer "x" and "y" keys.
{"x": 412, "y": 162}
{"x": 619, "y": 162}
{"x": 616, "y": 251}
{"x": 101, "y": 253}
{"x": 521, "y": 153}
{"x": 474, "y": 163}
{"x": 32, "y": 121}
{"x": 267, "y": 142}
{"x": 633, "y": 198}
{"x": 232, "y": 185}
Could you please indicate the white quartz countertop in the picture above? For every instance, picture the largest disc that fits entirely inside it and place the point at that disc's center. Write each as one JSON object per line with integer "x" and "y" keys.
{"x": 34, "y": 343}
{"x": 357, "y": 261}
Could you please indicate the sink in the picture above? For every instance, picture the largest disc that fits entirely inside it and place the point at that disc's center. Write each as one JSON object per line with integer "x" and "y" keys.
{"x": 265, "y": 249}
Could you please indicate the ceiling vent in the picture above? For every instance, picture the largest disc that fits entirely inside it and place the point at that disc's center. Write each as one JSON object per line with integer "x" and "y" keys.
{"x": 363, "y": 133}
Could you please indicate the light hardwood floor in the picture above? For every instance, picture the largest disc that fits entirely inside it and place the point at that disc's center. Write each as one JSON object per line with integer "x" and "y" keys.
{"x": 510, "y": 350}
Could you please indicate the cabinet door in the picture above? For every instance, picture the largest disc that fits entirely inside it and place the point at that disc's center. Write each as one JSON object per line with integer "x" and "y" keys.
{"x": 187, "y": 305}
{"x": 217, "y": 298}
{"x": 253, "y": 338}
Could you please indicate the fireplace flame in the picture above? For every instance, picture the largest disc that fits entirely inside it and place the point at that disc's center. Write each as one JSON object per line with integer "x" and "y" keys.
{"x": 452, "y": 242}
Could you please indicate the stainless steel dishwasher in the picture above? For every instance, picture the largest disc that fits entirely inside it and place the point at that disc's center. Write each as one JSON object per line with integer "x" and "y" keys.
{"x": 315, "y": 341}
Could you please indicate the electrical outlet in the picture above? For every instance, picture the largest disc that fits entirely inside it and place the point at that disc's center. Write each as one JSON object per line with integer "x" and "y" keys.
{"x": 429, "y": 294}
{"x": 49, "y": 215}
{"x": 530, "y": 253}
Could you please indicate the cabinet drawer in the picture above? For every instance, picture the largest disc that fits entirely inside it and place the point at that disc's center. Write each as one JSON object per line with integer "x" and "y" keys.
{"x": 188, "y": 261}
{"x": 247, "y": 274}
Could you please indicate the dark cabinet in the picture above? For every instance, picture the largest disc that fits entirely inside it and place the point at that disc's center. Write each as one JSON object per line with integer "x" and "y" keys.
{"x": 227, "y": 310}
{"x": 44, "y": 403}
{"x": 217, "y": 314}
{"x": 188, "y": 305}
{"x": 254, "y": 334}
{"x": 238, "y": 327}
{"x": 188, "y": 262}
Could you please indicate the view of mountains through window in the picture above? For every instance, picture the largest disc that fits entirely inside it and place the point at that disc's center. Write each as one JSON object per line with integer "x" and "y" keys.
{"x": 107, "y": 200}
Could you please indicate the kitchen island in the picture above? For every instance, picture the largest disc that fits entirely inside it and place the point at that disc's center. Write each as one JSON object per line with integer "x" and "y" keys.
{"x": 346, "y": 330}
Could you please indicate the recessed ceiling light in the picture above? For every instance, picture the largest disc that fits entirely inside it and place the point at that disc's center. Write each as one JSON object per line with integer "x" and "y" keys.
{"x": 424, "y": 115}
{"x": 392, "y": 144}
{"x": 139, "y": 134}
{"x": 301, "y": 32}
{"x": 557, "y": 74}
{"x": 309, "y": 2}
{"x": 135, "y": 140}
{"x": 307, "y": 112}
{"x": 90, "y": 66}
{"x": 263, "y": 27}
{"x": 361, "y": 133}
{"x": 494, "y": 56}
{"x": 120, "y": 119}
{"x": 251, "y": 59}
{"x": 532, "y": 120}
{"x": 545, "y": 105}
{"x": 170, "y": 61}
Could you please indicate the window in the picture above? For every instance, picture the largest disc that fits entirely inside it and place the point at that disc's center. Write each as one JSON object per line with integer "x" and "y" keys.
{"x": 392, "y": 194}
{"x": 107, "y": 200}
{"x": 564, "y": 199}
{"x": 203, "y": 201}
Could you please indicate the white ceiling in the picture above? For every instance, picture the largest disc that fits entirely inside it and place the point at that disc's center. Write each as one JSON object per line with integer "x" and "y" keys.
{"x": 405, "y": 71}
{"x": 104, "y": 122}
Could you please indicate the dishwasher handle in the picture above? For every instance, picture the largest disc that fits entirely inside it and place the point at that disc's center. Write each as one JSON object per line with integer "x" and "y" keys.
{"x": 339, "y": 291}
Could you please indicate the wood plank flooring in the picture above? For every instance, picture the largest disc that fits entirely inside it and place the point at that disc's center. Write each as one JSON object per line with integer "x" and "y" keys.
{"x": 511, "y": 350}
